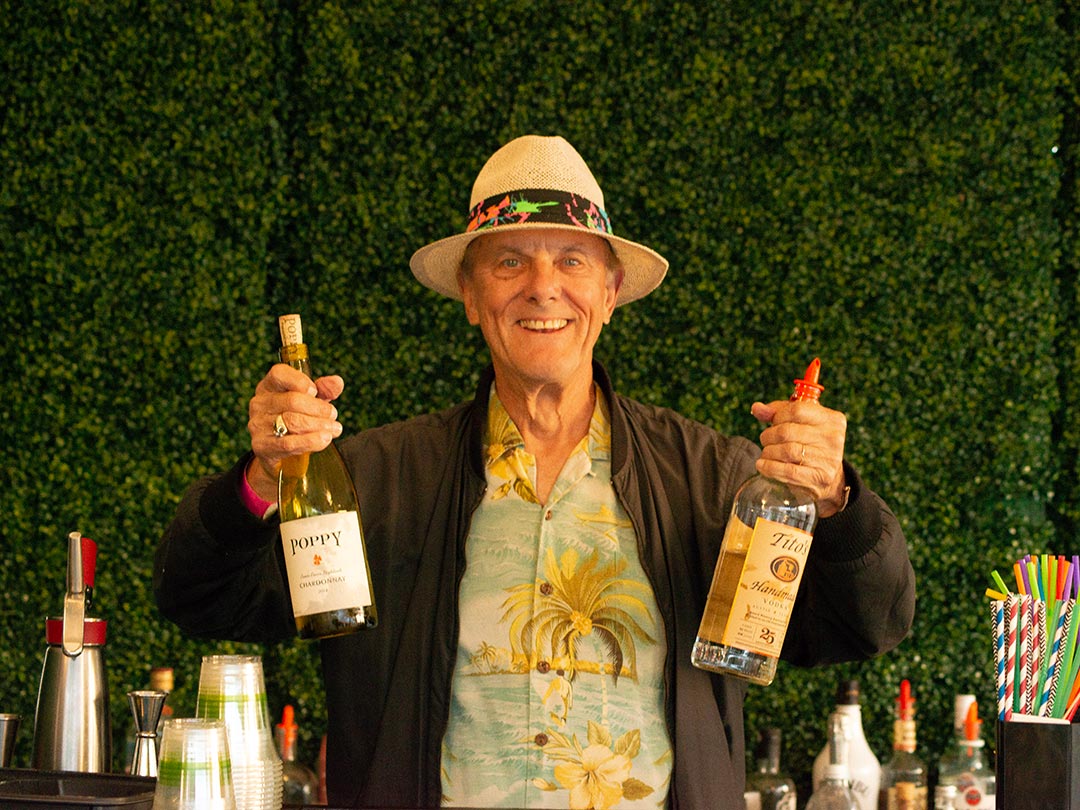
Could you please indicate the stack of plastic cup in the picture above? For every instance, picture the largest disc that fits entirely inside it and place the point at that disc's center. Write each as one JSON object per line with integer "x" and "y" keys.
{"x": 194, "y": 771}
{"x": 231, "y": 688}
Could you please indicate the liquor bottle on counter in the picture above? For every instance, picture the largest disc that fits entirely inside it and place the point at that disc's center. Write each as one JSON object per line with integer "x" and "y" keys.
{"x": 863, "y": 767}
{"x": 300, "y": 785}
{"x": 834, "y": 790}
{"x": 945, "y": 797}
{"x": 757, "y": 576}
{"x": 968, "y": 770}
{"x": 163, "y": 679}
{"x": 321, "y": 532}
{"x": 903, "y": 776}
{"x": 777, "y": 789}
{"x": 960, "y": 708}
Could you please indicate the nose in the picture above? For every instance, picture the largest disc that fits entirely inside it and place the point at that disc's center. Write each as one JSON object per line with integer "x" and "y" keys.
{"x": 544, "y": 282}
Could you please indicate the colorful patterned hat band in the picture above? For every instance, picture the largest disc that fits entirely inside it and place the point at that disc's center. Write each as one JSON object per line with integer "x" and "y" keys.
{"x": 538, "y": 206}
{"x": 536, "y": 181}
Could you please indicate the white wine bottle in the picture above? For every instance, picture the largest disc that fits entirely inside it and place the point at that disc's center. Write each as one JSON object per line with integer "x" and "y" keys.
{"x": 323, "y": 538}
{"x": 757, "y": 576}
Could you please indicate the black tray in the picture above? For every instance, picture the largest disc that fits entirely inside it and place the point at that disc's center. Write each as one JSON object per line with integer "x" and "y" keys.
{"x": 66, "y": 790}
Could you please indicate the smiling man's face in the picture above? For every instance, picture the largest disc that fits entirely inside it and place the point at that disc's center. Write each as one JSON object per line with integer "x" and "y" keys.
{"x": 540, "y": 297}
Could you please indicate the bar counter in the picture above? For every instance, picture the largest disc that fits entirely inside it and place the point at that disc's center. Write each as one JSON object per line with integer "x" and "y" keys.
{"x": 65, "y": 790}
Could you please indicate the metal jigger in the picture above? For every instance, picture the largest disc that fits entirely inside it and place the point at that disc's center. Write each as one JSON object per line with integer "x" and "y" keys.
{"x": 146, "y": 705}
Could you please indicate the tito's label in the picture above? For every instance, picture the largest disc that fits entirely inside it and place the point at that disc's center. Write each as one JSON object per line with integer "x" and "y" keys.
{"x": 324, "y": 555}
{"x": 767, "y": 587}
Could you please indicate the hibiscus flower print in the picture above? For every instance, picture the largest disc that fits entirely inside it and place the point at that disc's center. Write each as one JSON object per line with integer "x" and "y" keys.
{"x": 597, "y": 776}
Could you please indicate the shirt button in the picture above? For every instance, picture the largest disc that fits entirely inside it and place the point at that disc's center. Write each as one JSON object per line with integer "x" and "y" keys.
{"x": 547, "y": 515}
{"x": 546, "y": 589}
{"x": 541, "y": 739}
{"x": 543, "y": 667}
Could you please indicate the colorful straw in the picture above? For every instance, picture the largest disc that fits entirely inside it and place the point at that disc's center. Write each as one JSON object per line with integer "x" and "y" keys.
{"x": 1035, "y": 633}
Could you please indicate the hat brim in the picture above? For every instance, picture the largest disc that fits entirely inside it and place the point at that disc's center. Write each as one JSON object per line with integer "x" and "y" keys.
{"x": 436, "y": 265}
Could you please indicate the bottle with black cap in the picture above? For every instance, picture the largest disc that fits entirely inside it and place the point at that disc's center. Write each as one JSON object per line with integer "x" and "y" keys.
{"x": 863, "y": 766}
{"x": 777, "y": 789}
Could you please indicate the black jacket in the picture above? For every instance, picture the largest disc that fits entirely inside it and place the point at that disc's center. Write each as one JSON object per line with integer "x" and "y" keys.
{"x": 219, "y": 573}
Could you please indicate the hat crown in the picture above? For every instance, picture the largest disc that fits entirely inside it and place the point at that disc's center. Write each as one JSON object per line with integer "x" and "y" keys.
{"x": 536, "y": 162}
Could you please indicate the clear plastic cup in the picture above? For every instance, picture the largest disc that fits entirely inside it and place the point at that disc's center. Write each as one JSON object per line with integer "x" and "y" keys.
{"x": 194, "y": 770}
{"x": 232, "y": 688}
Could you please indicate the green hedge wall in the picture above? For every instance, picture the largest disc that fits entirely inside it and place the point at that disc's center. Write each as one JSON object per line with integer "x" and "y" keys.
{"x": 889, "y": 186}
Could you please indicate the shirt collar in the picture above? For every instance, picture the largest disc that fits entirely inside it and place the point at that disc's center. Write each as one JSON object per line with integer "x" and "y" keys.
{"x": 501, "y": 435}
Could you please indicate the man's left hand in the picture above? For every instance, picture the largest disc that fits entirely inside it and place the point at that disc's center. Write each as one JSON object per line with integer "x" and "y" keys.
{"x": 804, "y": 446}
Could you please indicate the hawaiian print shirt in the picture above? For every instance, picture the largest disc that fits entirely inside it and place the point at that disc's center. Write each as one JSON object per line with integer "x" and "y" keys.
{"x": 558, "y": 696}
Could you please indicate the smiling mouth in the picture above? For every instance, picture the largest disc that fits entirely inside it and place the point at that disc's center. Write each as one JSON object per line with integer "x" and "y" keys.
{"x": 548, "y": 325}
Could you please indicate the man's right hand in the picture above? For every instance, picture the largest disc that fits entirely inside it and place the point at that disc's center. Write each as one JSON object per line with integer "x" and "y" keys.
{"x": 305, "y": 408}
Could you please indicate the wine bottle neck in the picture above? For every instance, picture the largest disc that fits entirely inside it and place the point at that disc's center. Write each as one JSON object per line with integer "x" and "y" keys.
{"x": 296, "y": 355}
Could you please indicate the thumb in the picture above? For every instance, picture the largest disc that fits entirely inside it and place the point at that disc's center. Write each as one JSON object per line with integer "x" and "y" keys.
{"x": 764, "y": 412}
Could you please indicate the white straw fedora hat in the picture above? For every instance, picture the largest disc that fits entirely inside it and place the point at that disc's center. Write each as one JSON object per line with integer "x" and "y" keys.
{"x": 537, "y": 182}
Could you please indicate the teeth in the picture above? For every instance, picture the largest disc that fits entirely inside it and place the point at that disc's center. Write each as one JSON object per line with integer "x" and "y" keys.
{"x": 555, "y": 323}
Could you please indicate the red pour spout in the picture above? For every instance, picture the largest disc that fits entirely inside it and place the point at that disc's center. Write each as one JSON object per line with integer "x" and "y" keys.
{"x": 972, "y": 722}
{"x": 288, "y": 724}
{"x": 808, "y": 387}
{"x": 905, "y": 704}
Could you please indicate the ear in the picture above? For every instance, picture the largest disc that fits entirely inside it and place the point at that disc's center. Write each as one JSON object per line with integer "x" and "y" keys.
{"x": 611, "y": 294}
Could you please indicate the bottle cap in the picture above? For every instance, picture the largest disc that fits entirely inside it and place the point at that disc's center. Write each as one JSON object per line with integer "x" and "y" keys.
{"x": 847, "y": 694}
{"x": 808, "y": 387}
{"x": 769, "y": 744}
{"x": 162, "y": 678}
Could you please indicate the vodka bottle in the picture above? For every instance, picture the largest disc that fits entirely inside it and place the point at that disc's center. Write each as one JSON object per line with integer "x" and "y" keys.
{"x": 762, "y": 558}
{"x": 945, "y": 797}
{"x": 950, "y": 759}
{"x": 301, "y": 786}
{"x": 968, "y": 769}
{"x": 863, "y": 766}
{"x": 777, "y": 789}
{"x": 903, "y": 776}
{"x": 834, "y": 791}
{"x": 323, "y": 539}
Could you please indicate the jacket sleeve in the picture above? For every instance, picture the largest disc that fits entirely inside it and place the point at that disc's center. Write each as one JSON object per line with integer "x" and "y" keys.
{"x": 857, "y": 597}
{"x": 219, "y": 570}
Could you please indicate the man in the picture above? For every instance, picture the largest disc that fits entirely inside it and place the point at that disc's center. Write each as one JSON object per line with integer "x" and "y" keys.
{"x": 540, "y": 555}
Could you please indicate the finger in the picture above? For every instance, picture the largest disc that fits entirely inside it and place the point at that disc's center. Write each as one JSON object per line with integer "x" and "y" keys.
{"x": 264, "y": 407}
{"x": 803, "y": 411}
{"x": 810, "y": 476}
{"x": 299, "y": 416}
{"x": 283, "y": 377}
{"x": 763, "y": 412}
{"x": 330, "y": 387}
{"x": 270, "y": 449}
